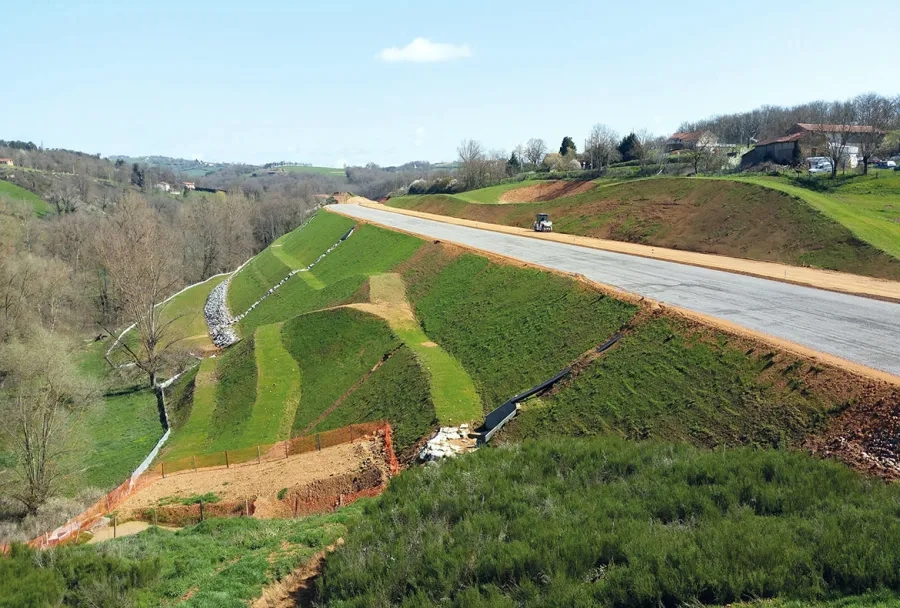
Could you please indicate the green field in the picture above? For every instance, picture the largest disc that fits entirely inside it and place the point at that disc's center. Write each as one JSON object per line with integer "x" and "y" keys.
{"x": 221, "y": 562}
{"x": 667, "y": 381}
{"x": 725, "y": 217}
{"x": 605, "y": 522}
{"x": 193, "y": 417}
{"x": 332, "y": 171}
{"x": 869, "y": 206}
{"x": 17, "y": 194}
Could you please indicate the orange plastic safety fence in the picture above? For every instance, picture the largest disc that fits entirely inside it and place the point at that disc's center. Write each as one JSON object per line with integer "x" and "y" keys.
{"x": 298, "y": 445}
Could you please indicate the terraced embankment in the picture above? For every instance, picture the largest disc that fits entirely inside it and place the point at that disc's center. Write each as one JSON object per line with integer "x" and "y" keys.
{"x": 708, "y": 216}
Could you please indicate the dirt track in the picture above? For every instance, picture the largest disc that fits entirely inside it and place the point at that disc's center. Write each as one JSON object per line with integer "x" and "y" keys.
{"x": 263, "y": 481}
{"x": 546, "y": 191}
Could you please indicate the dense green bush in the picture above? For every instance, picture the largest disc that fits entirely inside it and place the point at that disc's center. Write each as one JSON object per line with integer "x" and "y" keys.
{"x": 72, "y": 577}
{"x": 604, "y": 522}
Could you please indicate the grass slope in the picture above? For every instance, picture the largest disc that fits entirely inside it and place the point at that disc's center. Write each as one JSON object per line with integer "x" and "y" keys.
{"x": 369, "y": 251}
{"x": 666, "y": 381}
{"x": 189, "y": 325}
{"x": 221, "y": 562}
{"x": 398, "y": 392}
{"x": 611, "y": 523}
{"x": 192, "y": 429}
{"x": 254, "y": 280}
{"x": 235, "y": 395}
{"x": 722, "y": 217}
{"x": 277, "y": 389}
{"x": 455, "y": 396}
{"x": 334, "y": 350}
{"x": 509, "y": 327}
{"x": 300, "y": 248}
{"x": 866, "y": 205}
{"x": 15, "y": 193}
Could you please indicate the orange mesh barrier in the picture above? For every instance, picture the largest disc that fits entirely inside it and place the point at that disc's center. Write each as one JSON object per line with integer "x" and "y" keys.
{"x": 264, "y": 453}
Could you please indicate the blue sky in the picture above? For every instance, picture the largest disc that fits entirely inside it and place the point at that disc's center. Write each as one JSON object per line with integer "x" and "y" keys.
{"x": 332, "y": 82}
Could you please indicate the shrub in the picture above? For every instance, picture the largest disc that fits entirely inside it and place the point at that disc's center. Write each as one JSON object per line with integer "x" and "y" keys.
{"x": 605, "y": 522}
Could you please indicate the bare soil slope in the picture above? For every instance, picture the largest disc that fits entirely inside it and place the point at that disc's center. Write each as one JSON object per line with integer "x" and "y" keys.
{"x": 546, "y": 191}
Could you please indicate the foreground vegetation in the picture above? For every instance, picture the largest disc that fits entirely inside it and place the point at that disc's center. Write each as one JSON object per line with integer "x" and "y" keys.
{"x": 720, "y": 217}
{"x": 220, "y": 562}
{"x": 611, "y": 523}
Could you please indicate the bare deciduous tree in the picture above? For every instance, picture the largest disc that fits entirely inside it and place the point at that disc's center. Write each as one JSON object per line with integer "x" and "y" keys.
{"x": 535, "y": 150}
{"x": 42, "y": 392}
{"x": 873, "y": 111}
{"x": 600, "y": 146}
{"x": 137, "y": 252}
{"x": 473, "y": 165}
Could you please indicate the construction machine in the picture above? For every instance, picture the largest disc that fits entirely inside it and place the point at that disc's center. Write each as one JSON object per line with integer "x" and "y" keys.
{"x": 542, "y": 223}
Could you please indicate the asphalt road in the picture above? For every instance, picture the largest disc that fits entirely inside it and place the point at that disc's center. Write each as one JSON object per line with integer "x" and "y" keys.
{"x": 861, "y": 330}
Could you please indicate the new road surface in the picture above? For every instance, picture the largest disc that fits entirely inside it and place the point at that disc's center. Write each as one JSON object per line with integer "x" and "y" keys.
{"x": 862, "y": 330}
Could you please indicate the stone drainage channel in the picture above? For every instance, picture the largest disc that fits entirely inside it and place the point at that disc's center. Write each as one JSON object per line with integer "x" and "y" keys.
{"x": 218, "y": 316}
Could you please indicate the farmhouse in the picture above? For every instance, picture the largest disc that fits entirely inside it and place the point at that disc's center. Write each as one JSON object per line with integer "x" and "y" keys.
{"x": 691, "y": 139}
{"x": 190, "y": 186}
{"x": 783, "y": 150}
{"x": 7, "y": 161}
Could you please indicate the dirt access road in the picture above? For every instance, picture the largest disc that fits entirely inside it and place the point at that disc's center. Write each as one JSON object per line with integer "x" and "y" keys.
{"x": 862, "y": 332}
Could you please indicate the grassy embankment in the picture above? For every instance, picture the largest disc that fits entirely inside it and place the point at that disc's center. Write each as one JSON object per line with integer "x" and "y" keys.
{"x": 611, "y": 523}
{"x": 16, "y": 194}
{"x": 492, "y": 194}
{"x": 867, "y": 205}
{"x": 710, "y": 216}
{"x": 221, "y": 562}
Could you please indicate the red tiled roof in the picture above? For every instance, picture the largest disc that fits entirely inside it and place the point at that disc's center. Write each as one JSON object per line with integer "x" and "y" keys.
{"x": 781, "y": 140}
{"x": 687, "y": 135}
{"x": 825, "y": 128}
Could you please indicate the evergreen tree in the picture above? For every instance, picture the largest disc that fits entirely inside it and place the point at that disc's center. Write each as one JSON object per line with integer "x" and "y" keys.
{"x": 628, "y": 147}
{"x": 513, "y": 165}
{"x": 566, "y": 145}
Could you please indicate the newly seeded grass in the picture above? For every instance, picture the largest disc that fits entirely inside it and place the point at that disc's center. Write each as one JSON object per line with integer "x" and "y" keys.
{"x": 303, "y": 246}
{"x": 234, "y": 396}
{"x": 254, "y": 280}
{"x": 368, "y": 251}
{"x": 192, "y": 430}
{"x": 277, "y": 390}
{"x": 605, "y": 522}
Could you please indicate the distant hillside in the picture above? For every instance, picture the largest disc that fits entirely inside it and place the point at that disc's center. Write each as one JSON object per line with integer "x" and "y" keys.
{"x": 187, "y": 167}
{"x": 15, "y": 193}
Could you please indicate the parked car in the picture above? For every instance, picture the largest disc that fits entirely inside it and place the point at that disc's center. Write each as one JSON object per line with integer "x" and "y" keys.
{"x": 820, "y": 168}
{"x": 885, "y": 164}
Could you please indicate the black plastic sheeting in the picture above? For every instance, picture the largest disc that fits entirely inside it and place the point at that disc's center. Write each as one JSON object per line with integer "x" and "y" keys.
{"x": 505, "y": 411}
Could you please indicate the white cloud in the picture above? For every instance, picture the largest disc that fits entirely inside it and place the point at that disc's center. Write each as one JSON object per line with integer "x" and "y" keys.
{"x": 423, "y": 50}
